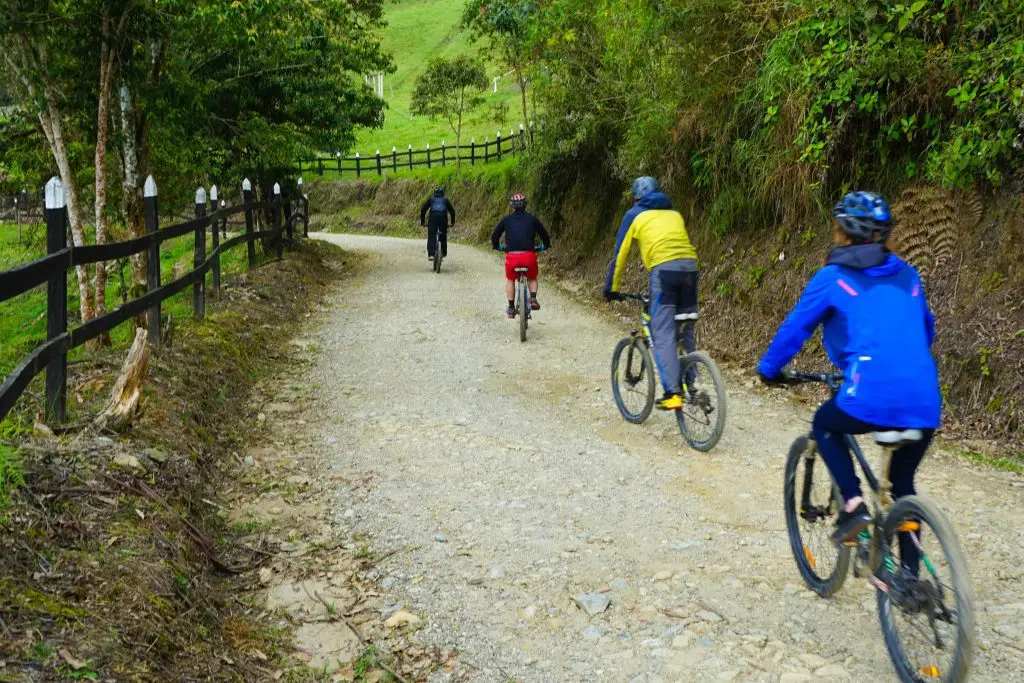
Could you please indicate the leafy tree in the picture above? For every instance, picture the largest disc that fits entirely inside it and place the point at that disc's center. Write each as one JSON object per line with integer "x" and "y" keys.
{"x": 502, "y": 26}
{"x": 191, "y": 91}
{"x": 450, "y": 89}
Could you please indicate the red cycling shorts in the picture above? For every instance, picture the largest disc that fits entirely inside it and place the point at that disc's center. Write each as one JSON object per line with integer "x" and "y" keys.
{"x": 521, "y": 259}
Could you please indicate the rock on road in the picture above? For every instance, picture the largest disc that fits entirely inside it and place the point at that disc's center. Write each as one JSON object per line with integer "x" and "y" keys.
{"x": 507, "y": 480}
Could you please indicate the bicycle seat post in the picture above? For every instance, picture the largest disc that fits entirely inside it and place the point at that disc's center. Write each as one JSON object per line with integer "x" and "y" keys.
{"x": 884, "y": 484}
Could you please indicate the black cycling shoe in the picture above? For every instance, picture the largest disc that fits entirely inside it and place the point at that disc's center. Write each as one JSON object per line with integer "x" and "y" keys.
{"x": 510, "y": 312}
{"x": 849, "y": 524}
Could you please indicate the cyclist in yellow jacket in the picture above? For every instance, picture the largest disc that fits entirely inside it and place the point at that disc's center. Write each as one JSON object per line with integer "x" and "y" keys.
{"x": 671, "y": 259}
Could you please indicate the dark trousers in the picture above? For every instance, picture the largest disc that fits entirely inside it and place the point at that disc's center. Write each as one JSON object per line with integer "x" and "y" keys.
{"x": 437, "y": 230}
{"x": 830, "y": 424}
{"x": 673, "y": 290}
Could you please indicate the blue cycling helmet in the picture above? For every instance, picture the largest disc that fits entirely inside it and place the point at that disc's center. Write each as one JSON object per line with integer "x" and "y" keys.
{"x": 864, "y": 216}
{"x": 438, "y": 191}
{"x": 643, "y": 186}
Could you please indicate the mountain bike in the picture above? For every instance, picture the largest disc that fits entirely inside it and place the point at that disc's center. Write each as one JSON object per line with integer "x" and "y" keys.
{"x": 934, "y": 610}
{"x": 442, "y": 234}
{"x": 522, "y": 297}
{"x": 702, "y": 417}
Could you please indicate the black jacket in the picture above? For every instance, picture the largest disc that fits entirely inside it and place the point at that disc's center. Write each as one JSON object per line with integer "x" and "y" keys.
{"x": 438, "y": 207}
{"x": 521, "y": 230}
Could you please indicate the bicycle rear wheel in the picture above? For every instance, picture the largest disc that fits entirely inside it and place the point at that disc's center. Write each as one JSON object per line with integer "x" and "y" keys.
{"x": 633, "y": 379}
{"x": 524, "y": 308}
{"x": 811, "y": 500}
{"x": 437, "y": 257}
{"x": 927, "y": 613}
{"x": 702, "y": 417}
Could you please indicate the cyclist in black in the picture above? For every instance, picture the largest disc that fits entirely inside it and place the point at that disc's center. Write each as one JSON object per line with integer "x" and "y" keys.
{"x": 521, "y": 230}
{"x": 440, "y": 209}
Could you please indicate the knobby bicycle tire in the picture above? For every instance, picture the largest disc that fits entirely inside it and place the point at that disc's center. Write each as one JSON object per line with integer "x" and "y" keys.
{"x": 684, "y": 416}
{"x": 623, "y": 352}
{"x": 524, "y": 309}
{"x": 923, "y": 509}
{"x": 797, "y": 463}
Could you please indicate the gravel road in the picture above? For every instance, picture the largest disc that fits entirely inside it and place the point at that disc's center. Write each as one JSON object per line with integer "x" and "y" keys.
{"x": 504, "y": 477}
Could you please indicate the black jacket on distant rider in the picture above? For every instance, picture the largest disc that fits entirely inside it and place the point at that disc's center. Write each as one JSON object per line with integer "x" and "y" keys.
{"x": 521, "y": 231}
{"x": 440, "y": 209}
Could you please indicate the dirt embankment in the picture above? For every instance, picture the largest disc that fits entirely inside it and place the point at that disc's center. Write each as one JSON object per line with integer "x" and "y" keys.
{"x": 967, "y": 247}
{"x": 119, "y": 560}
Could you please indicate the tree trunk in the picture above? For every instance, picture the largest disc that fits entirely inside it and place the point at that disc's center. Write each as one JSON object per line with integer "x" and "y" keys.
{"x": 100, "y": 204}
{"x": 132, "y": 206}
{"x": 51, "y": 120}
{"x": 522, "y": 92}
{"x": 127, "y": 393}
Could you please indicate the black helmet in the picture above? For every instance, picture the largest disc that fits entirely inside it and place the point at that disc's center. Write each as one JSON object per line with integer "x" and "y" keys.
{"x": 518, "y": 201}
{"x": 438, "y": 191}
{"x": 643, "y": 186}
{"x": 864, "y": 216}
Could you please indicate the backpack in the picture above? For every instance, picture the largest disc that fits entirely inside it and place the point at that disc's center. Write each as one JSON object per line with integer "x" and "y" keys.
{"x": 438, "y": 205}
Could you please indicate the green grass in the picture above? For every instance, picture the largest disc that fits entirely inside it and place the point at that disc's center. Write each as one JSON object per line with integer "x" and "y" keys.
{"x": 23, "y": 318}
{"x": 417, "y": 31}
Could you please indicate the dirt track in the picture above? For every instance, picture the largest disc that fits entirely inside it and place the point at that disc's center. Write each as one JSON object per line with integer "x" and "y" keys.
{"x": 509, "y": 482}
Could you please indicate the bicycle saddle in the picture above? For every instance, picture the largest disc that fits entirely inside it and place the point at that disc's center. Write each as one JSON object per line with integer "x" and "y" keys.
{"x": 898, "y": 437}
{"x": 522, "y": 269}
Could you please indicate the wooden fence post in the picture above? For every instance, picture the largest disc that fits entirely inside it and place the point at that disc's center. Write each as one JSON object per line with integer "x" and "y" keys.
{"x": 224, "y": 220}
{"x": 289, "y": 223}
{"x": 276, "y": 221}
{"x": 215, "y": 224}
{"x": 304, "y": 202}
{"x": 379, "y": 172}
{"x": 394, "y": 158}
{"x": 198, "y": 293}
{"x": 337, "y": 157}
{"x": 410, "y": 157}
{"x": 357, "y": 165}
{"x": 247, "y": 201}
{"x": 472, "y": 152}
{"x": 428, "y": 155}
{"x": 498, "y": 140}
{"x": 320, "y": 166}
{"x": 444, "y": 154}
{"x": 153, "y": 266}
{"x": 56, "y": 301}
{"x": 521, "y": 143}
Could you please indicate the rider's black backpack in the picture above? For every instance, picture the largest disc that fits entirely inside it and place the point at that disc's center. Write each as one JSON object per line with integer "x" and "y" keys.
{"x": 438, "y": 206}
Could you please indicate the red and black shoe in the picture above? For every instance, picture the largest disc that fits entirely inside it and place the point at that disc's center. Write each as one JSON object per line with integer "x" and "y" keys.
{"x": 510, "y": 312}
{"x": 534, "y": 304}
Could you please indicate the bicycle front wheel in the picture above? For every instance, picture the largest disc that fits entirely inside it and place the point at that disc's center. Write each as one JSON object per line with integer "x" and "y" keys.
{"x": 437, "y": 257}
{"x": 927, "y": 609}
{"x": 633, "y": 379}
{"x": 702, "y": 417}
{"x": 811, "y": 500}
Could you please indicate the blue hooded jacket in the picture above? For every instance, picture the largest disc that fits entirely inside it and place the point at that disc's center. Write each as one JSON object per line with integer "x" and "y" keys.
{"x": 877, "y": 329}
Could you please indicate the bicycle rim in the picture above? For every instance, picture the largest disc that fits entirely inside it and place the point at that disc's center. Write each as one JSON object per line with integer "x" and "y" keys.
{"x": 927, "y": 611}
{"x": 633, "y": 379}
{"x": 702, "y": 417}
{"x": 823, "y": 564}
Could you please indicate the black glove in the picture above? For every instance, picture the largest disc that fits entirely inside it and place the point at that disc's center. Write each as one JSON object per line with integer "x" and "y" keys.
{"x": 778, "y": 380}
{"x": 609, "y": 295}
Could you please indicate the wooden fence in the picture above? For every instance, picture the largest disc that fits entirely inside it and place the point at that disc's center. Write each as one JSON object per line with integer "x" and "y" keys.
{"x": 53, "y": 270}
{"x": 381, "y": 164}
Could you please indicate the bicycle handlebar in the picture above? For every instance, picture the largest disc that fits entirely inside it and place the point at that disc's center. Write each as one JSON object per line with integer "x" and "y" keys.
{"x": 831, "y": 380}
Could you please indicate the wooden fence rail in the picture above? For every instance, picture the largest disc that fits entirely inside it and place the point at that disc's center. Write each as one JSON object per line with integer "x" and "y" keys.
{"x": 53, "y": 269}
{"x": 397, "y": 160}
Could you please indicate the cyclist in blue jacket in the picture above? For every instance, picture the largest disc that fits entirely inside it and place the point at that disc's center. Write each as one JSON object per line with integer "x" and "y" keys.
{"x": 878, "y": 330}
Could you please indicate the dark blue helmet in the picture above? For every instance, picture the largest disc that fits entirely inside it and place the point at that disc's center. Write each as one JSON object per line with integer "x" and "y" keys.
{"x": 643, "y": 186}
{"x": 438, "y": 191}
{"x": 864, "y": 216}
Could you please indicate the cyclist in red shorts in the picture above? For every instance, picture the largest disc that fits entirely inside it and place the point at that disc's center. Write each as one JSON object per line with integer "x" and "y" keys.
{"x": 521, "y": 231}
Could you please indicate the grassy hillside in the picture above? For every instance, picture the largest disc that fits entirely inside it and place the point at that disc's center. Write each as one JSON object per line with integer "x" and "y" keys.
{"x": 418, "y": 31}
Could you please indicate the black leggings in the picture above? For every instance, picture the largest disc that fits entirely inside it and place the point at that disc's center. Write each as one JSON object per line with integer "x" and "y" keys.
{"x": 830, "y": 424}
